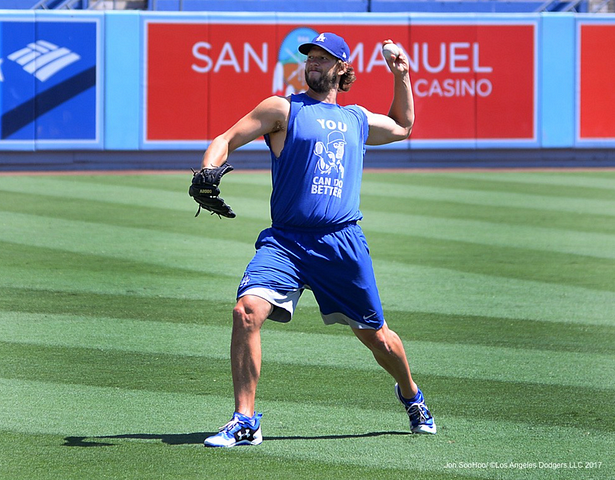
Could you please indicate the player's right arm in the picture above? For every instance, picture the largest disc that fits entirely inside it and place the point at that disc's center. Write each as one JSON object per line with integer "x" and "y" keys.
{"x": 397, "y": 124}
{"x": 269, "y": 117}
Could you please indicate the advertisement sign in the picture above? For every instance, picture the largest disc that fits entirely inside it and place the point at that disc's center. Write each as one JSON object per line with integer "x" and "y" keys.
{"x": 49, "y": 81}
{"x": 472, "y": 82}
{"x": 596, "y": 92}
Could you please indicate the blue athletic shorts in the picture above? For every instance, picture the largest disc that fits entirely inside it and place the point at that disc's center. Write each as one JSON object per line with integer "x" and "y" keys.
{"x": 335, "y": 265}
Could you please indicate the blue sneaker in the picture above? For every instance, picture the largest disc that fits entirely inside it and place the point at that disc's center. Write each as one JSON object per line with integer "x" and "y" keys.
{"x": 421, "y": 419}
{"x": 241, "y": 430}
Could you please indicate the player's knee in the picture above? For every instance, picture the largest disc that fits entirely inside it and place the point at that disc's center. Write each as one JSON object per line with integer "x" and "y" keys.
{"x": 247, "y": 316}
{"x": 242, "y": 317}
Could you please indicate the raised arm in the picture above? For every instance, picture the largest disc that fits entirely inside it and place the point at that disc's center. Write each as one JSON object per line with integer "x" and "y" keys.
{"x": 269, "y": 117}
{"x": 397, "y": 125}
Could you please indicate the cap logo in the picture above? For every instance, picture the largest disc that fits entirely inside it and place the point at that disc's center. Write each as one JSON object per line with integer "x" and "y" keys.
{"x": 321, "y": 38}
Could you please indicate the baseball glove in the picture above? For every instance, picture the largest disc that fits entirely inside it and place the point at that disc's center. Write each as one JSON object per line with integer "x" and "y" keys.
{"x": 205, "y": 191}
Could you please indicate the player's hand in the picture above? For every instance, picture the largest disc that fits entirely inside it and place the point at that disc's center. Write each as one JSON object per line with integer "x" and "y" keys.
{"x": 399, "y": 64}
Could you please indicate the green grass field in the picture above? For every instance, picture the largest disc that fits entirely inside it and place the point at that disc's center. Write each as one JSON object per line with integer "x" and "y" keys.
{"x": 115, "y": 310}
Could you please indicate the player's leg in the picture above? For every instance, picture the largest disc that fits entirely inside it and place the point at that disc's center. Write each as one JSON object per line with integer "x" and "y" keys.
{"x": 248, "y": 317}
{"x": 268, "y": 289}
{"x": 245, "y": 427}
{"x": 389, "y": 352}
{"x": 358, "y": 305}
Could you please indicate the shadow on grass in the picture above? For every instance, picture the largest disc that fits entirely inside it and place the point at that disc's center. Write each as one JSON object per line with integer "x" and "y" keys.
{"x": 199, "y": 437}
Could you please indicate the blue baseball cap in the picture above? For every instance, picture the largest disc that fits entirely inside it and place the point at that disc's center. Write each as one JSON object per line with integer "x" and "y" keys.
{"x": 332, "y": 43}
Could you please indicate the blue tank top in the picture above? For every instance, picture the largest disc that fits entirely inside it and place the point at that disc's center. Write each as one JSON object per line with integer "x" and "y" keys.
{"x": 317, "y": 178}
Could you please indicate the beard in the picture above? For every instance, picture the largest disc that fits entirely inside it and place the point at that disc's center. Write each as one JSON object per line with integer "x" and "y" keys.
{"x": 324, "y": 83}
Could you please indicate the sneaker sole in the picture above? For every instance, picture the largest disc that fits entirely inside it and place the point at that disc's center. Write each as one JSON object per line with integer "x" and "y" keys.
{"x": 258, "y": 439}
{"x": 425, "y": 430}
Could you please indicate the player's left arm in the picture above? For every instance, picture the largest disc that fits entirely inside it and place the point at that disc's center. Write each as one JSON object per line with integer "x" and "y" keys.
{"x": 397, "y": 125}
{"x": 269, "y": 116}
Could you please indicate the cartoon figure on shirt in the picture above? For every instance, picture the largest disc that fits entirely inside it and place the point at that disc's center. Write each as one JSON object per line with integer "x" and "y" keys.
{"x": 331, "y": 155}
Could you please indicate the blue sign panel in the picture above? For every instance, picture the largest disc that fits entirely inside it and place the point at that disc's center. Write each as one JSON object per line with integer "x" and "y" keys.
{"x": 49, "y": 82}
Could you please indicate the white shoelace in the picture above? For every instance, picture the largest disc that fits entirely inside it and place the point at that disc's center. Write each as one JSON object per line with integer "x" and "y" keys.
{"x": 417, "y": 407}
{"x": 229, "y": 426}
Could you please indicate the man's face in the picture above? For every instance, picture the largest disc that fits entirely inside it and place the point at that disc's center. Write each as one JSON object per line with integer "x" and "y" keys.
{"x": 339, "y": 149}
{"x": 321, "y": 73}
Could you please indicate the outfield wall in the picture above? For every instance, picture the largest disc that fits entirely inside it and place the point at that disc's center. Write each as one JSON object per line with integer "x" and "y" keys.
{"x": 133, "y": 81}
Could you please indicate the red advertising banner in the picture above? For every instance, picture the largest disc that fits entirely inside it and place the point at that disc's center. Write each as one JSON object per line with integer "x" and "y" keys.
{"x": 597, "y": 72}
{"x": 471, "y": 81}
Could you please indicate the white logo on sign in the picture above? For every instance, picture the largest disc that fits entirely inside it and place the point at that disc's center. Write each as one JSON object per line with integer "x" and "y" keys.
{"x": 43, "y": 59}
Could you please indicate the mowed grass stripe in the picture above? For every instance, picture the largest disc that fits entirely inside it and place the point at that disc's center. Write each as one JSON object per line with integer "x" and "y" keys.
{"x": 440, "y": 328}
{"x": 468, "y": 203}
{"x": 20, "y": 256}
{"x": 333, "y": 386}
{"x": 438, "y": 290}
{"x": 174, "y": 181}
{"x": 128, "y": 243}
{"x": 251, "y": 205}
{"x": 474, "y": 361}
{"x": 535, "y": 237}
{"x": 494, "y": 199}
{"x": 594, "y": 180}
{"x": 294, "y": 430}
{"x": 517, "y": 263}
{"x": 73, "y": 409}
{"x": 496, "y": 182}
{"x": 403, "y": 287}
{"x": 158, "y": 191}
{"x": 71, "y": 187}
{"x": 503, "y": 332}
{"x": 323, "y": 386}
{"x": 133, "y": 216}
{"x": 166, "y": 456}
{"x": 137, "y": 306}
{"x": 46, "y": 269}
{"x": 187, "y": 251}
{"x": 488, "y": 233}
{"x": 168, "y": 191}
{"x": 137, "y": 288}
{"x": 502, "y": 215}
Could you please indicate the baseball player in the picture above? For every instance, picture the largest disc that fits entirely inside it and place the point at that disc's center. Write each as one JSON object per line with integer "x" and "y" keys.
{"x": 314, "y": 241}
